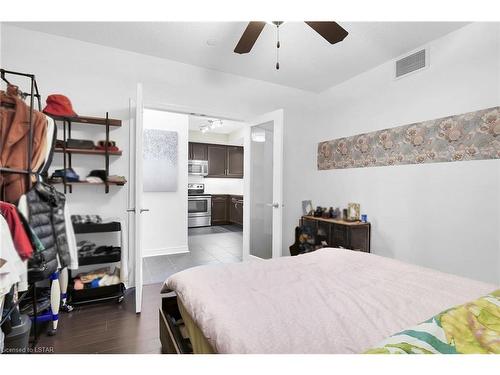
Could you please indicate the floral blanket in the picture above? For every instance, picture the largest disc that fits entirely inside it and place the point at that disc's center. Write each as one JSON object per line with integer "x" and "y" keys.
{"x": 471, "y": 328}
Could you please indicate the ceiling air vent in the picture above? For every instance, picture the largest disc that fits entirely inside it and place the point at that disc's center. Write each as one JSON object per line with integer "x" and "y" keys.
{"x": 411, "y": 63}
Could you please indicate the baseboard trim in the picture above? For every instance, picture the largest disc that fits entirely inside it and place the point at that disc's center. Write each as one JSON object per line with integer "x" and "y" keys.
{"x": 165, "y": 251}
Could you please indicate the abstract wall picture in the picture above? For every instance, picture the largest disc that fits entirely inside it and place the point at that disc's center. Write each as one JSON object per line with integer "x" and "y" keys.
{"x": 469, "y": 136}
{"x": 160, "y": 160}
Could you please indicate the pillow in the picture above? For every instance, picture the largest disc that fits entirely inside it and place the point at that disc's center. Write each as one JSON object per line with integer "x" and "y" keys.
{"x": 471, "y": 328}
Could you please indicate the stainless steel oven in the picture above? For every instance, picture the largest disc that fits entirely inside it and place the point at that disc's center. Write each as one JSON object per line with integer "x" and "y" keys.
{"x": 199, "y": 206}
{"x": 198, "y": 167}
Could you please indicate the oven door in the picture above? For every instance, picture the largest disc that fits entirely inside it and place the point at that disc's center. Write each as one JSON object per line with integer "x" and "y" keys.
{"x": 199, "y": 206}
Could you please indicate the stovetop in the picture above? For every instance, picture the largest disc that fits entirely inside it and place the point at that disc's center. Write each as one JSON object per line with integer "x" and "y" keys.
{"x": 196, "y": 190}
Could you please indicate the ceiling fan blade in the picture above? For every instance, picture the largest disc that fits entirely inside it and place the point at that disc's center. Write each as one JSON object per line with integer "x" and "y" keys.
{"x": 329, "y": 30}
{"x": 249, "y": 37}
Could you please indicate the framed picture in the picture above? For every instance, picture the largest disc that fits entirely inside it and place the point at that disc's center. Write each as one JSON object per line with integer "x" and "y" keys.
{"x": 307, "y": 208}
{"x": 160, "y": 160}
{"x": 353, "y": 211}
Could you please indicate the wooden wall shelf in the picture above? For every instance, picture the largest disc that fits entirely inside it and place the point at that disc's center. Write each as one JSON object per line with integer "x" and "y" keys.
{"x": 55, "y": 182}
{"x": 87, "y": 151}
{"x": 89, "y": 120}
{"x": 67, "y": 123}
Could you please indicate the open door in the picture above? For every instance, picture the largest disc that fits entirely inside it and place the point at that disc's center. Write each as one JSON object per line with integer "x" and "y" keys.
{"x": 263, "y": 187}
{"x": 135, "y": 195}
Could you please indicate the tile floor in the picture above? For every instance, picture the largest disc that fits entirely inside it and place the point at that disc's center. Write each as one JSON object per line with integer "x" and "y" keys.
{"x": 216, "y": 244}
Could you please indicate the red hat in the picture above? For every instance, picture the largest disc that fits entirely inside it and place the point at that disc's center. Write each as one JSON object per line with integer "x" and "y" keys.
{"x": 59, "y": 105}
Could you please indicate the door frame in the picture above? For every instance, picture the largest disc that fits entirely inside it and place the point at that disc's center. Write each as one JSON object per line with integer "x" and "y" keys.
{"x": 134, "y": 209}
{"x": 132, "y": 229}
{"x": 277, "y": 117}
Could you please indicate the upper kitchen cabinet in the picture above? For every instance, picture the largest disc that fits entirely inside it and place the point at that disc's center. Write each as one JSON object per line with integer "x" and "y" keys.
{"x": 234, "y": 167}
{"x": 217, "y": 161}
{"x": 223, "y": 161}
{"x": 198, "y": 151}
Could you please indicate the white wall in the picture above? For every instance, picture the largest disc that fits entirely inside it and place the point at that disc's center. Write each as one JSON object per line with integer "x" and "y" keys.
{"x": 165, "y": 225}
{"x": 100, "y": 79}
{"x": 445, "y": 216}
{"x": 426, "y": 214}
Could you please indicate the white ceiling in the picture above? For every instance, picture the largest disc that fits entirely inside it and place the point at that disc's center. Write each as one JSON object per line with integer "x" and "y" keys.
{"x": 227, "y": 126}
{"x": 307, "y": 61}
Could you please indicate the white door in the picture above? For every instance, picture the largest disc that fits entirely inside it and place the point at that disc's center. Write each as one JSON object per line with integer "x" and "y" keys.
{"x": 263, "y": 187}
{"x": 137, "y": 209}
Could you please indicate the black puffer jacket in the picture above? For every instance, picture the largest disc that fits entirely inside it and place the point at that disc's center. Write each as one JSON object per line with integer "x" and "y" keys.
{"x": 46, "y": 217}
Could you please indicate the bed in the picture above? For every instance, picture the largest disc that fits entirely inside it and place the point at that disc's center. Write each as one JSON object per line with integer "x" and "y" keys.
{"x": 328, "y": 301}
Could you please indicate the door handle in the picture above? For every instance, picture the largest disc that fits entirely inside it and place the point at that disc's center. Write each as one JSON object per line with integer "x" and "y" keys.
{"x": 143, "y": 210}
{"x": 273, "y": 205}
{"x": 130, "y": 209}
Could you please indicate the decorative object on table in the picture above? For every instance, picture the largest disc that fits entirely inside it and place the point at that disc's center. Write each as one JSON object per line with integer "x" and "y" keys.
{"x": 337, "y": 214}
{"x": 344, "y": 214}
{"x": 59, "y": 105}
{"x": 331, "y": 213}
{"x": 318, "y": 212}
{"x": 160, "y": 160}
{"x": 353, "y": 211}
{"x": 307, "y": 208}
{"x": 469, "y": 136}
{"x": 364, "y": 218}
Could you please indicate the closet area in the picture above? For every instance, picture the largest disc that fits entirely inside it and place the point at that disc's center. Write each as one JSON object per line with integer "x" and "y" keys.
{"x": 49, "y": 262}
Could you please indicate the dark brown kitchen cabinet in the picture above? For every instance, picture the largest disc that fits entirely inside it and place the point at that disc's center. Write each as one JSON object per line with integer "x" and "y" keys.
{"x": 223, "y": 161}
{"x": 234, "y": 162}
{"x": 236, "y": 209}
{"x": 220, "y": 209}
{"x": 216, "y": 161}
{"x": 198, "y": 151}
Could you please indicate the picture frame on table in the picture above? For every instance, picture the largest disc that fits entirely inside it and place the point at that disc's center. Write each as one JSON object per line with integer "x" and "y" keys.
{"x": 307, "y": 208}
{"x": 353, "y": 212}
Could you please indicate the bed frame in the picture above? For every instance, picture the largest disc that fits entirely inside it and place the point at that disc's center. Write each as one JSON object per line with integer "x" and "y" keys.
{"x": 173, "y": 335}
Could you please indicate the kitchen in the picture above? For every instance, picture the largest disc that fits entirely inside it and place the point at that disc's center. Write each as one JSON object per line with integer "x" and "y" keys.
{"x": 215, "y": 187}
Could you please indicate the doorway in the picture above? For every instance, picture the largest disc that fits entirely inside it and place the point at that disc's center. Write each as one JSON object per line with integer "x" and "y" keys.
{"x": 215, "y": 189}
{"x": 202, "y": 244}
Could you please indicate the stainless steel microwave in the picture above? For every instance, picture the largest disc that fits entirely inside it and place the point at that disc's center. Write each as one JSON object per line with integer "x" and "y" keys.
{"x": 198, "y": 167}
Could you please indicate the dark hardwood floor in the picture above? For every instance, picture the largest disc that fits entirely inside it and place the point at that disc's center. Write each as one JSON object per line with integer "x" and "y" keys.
{"x": 109, "y": 327}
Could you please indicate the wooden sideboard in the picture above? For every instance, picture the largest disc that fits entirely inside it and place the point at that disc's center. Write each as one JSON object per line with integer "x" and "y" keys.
{"x": 339, "y": 233}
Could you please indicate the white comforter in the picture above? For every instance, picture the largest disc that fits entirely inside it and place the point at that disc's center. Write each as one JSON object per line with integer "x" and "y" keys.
{"x": 329, "y": 301}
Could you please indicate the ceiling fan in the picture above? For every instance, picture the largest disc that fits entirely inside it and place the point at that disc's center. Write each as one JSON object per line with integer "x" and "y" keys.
{"x": 329, "y": 30}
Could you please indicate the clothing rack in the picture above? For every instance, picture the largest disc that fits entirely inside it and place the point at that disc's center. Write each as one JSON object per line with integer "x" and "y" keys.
{"x": 34, "y": 93}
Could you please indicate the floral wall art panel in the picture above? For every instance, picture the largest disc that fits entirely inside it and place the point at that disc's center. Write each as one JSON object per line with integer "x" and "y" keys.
{"x": 469, "y": 136}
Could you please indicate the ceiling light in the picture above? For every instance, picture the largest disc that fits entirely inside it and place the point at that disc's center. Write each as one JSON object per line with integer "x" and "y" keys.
{"x": 212, "y": 124}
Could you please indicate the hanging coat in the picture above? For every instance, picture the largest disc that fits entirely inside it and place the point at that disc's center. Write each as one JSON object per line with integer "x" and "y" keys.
{"x": 14, "y": 138}
{"x": 46, "y": 217}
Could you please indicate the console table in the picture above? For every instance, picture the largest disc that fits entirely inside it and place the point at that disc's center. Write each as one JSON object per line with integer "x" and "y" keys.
{"x": 340, "y": 233}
